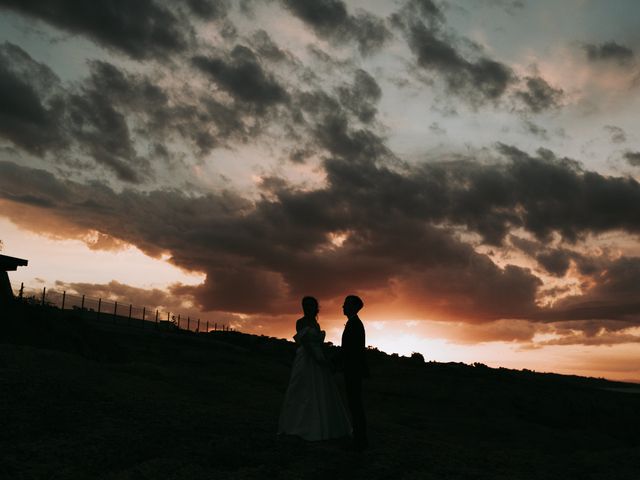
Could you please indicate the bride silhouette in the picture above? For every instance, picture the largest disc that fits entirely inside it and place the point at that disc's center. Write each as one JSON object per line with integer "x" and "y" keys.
{"x": 312, "y": 406}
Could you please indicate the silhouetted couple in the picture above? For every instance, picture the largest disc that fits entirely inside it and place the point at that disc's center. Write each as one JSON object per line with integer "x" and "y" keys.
{"x": 312, "y": 407}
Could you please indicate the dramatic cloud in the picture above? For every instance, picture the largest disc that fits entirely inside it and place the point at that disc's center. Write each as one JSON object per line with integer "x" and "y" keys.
{"x": 556, "y": 262}
{"x": 40, "y": 116}
{"x": 386, "y": 217}
{"x": 243, "y": 77}
{"x": 30, "y": 110}
{"x": 609, "y": 51}
{"x": 361, "y": 97}
{"x": 478, "y": 79}
{"x": 101, "y": 130}
{"x": 295, "y": 147}
{"x": 613, "y": 296}
{"x": 141, "y": 29}
{"x": 330, "y": 19}
{"x": 101, "y": 117}
{"x": 633, "y": 158}
{"x": 539, "y": 95}
{"x": 208, "y": 9}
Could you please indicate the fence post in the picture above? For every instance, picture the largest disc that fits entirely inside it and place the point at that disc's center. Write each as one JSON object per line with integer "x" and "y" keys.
{"x": 64, "y": 297}
{"x": 198, "y": 327}
{"x": 156, "y": 318}
{"x": 207, "y": 326}
{"x": 215, "y": 326}
{"x": 130, "y": 307}
{"x": 188, "y": 323}
{"x": 178, "y": 321}
{"x": 21, "y": 290}
{"x": 168, "y": 313}
{"x": 99, "y": 305}
{"x": 144, "y": 311}
{"x": 115, "y": 312}
{"x": 44, "y": 293}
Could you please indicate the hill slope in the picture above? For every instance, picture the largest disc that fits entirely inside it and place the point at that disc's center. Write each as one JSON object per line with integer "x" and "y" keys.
{"x": 83, "y": 402}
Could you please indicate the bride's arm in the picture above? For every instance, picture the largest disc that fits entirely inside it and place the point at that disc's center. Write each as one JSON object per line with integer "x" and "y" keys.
{"x": 312, "y": 344}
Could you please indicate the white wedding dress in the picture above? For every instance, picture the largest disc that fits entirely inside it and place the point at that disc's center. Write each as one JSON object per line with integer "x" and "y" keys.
{"x": 312, "y": 408}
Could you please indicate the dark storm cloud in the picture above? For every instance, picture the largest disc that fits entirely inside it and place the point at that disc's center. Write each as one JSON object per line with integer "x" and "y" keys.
{"x": 477, "y": 292}
{"x": 242, "y": 289}
{"x": 101, "y": 116}
{"x": 613, "y": 295}
{"x": 142, "y": 29}
{"x": 331, "y": 20}
{"x": 361, "y": 97}
{"x": 135, "y": 92}
{"x": 558, "y": 195}
{"x": 104, "y": 135}
{"x": 539, "y": 95}
{"x": 476, "y": 80}
{"x": 42, "y": 117}
{"x": 556, "y": 262}
{"x": 542, "y": 193}
{"x": 609, "y": 51}
{"x": 30, "y": 109}
{"x": 280, "y": 244}
{"x": 425, "y": 9}
{"x": 208, "y": 9}
{"x": 333, "y": 133}
{"x": 97, "y": 118}
{"x": 273, "y": 246}
{"x": 466, "y": 71}
{"x": 633, "y": 158}
{"x": 162, "y": 114}
{"x": 243, "y": 77}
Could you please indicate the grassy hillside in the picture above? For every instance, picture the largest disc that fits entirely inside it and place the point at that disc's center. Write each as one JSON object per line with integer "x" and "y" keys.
{"x": 81, "y": 401}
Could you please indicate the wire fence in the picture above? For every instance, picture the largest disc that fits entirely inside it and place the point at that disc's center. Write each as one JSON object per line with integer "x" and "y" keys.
{"x": 118, "y": 313}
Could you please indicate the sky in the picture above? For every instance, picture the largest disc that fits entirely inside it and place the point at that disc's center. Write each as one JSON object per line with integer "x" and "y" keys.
{"x": 469, "y": 168}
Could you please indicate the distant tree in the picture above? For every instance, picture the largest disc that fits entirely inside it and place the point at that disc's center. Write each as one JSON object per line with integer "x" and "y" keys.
{"x": 417, "y": 357}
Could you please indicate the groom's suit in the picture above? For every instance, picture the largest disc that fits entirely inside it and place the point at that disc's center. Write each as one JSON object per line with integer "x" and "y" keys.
{"x": 354, "y": 364}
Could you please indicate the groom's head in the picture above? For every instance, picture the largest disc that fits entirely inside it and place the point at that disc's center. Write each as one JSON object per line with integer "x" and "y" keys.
{"x": 352, "y": 305}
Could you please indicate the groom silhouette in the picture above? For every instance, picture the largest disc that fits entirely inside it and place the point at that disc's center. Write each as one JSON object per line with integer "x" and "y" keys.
{"x": 355, "y": 368}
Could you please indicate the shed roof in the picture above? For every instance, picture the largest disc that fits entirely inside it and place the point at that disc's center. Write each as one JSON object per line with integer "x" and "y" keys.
{"x": 9, "y": 264}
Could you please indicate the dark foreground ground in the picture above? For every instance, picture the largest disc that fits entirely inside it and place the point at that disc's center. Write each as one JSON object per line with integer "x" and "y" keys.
{"x": 81, "y": 401}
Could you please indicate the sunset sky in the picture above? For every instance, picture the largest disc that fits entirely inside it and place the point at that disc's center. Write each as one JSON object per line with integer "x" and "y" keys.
{"x": 468, "y": 167}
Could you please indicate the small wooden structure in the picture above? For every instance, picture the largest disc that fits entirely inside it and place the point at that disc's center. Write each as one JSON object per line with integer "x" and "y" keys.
{"x": 8, "y": 264}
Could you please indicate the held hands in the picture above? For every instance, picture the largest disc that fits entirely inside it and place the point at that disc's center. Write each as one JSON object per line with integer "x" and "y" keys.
{"x": 334, "y": 362}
